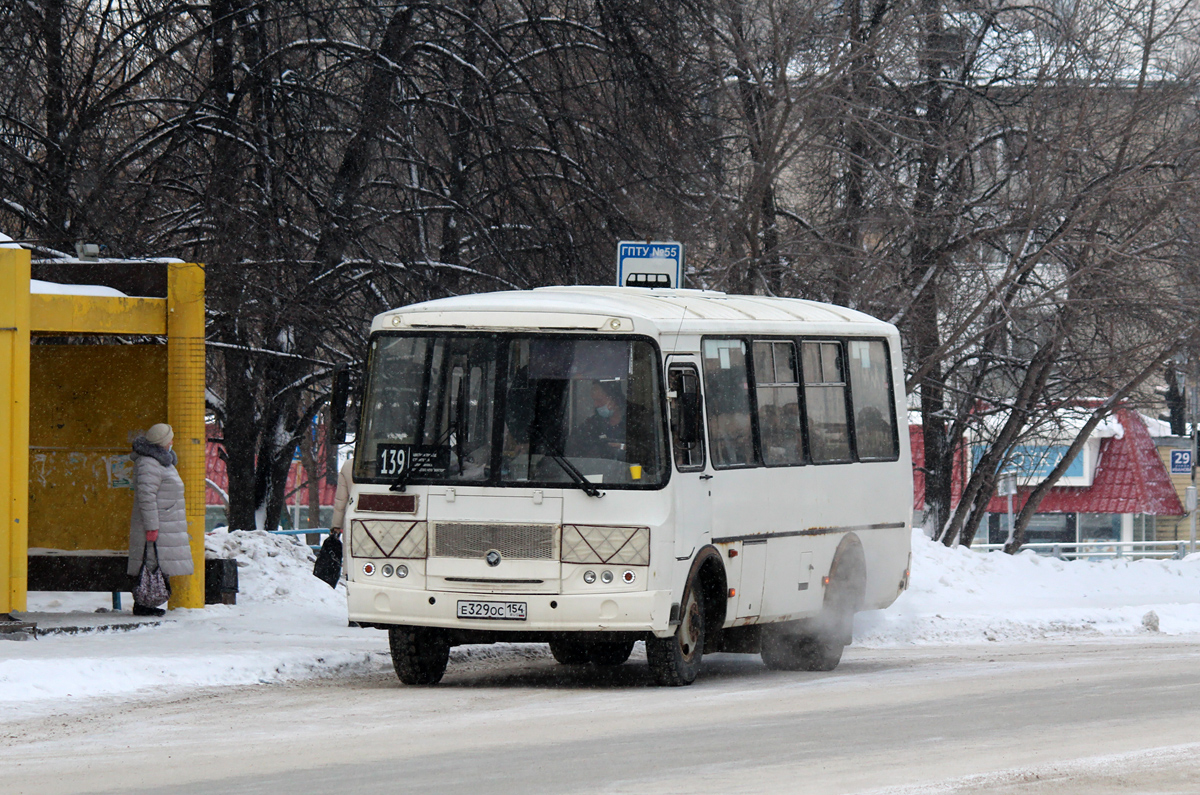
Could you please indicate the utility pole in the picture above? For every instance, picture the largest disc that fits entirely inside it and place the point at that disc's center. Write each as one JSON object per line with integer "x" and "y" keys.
{"x": 1191, "y": 492}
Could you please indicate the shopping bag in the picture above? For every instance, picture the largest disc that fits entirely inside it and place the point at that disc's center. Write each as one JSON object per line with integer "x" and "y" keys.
{"x": 152, "y": 588}
{"x": 329, "y": 561}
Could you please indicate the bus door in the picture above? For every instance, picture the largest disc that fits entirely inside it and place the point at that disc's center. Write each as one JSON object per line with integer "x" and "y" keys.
{"x": 693, "y": 495}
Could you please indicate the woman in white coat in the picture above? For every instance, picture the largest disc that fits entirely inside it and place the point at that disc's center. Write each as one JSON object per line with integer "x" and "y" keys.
{"x": 159, "y": 517}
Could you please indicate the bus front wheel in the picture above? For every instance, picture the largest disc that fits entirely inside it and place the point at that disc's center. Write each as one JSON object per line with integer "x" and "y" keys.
{"x": 419, "y": 654}
{"x": 675, "y": 660}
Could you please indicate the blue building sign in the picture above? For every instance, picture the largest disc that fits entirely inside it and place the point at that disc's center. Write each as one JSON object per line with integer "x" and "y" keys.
{"x": 1036, "y": 461}
{"x": 1181, "y": 462}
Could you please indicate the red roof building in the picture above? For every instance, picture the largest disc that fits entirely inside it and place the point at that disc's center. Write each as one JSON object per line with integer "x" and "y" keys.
{"x": 217, "y": 484}
{"x": 1130, "y": 484}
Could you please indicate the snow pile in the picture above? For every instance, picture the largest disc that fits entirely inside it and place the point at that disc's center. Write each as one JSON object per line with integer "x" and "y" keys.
{"x": 286, "y": 625}
{"x": 960, "y": 596}
{"x": 274, "y": 568}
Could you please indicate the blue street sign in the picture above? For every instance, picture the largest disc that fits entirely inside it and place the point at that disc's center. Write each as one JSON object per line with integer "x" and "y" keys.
{"x": 649, "y": 264}
{"x": 1181, "y": 462}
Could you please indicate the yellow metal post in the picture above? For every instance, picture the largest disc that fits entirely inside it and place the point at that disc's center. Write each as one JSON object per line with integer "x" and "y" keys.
{"x": 14, "y": 428}
{"x": 185, "y": 412}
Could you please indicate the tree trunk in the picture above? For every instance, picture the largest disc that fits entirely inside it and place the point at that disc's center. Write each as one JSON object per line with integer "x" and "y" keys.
{"x": 58, "y": 178}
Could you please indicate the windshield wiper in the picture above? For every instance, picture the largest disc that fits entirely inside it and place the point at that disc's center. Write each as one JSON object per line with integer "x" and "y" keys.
{"x": 588, "y": 487}
{"x": 401, "y": 481}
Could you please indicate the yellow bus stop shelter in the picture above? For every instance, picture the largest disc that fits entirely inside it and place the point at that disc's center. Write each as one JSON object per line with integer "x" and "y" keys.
{"x": 79, "y": 373}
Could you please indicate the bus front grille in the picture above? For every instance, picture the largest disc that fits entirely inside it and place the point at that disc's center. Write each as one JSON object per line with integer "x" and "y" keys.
{"x": 512, "y": 541}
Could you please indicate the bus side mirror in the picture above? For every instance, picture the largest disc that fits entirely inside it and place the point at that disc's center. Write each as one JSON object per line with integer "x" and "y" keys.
{"x": 689, "y": 419}
{"x": 338, "y": 398}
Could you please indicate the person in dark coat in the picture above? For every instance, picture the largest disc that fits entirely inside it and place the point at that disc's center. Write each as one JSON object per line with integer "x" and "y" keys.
{"x": 602, "y": 435}
{"x": 159, "y": 516}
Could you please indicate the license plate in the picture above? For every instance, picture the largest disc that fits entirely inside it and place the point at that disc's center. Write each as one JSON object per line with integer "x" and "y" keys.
{"x": 502, "y": 611}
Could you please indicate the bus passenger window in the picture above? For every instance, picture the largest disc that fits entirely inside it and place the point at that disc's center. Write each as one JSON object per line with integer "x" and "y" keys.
{"x": 687, "y": 432}
{"x": 871, "y": 393}
{"x": 727, "y": 397}
{"x": 825, "y": 402}
{"x": 778, "y": 393}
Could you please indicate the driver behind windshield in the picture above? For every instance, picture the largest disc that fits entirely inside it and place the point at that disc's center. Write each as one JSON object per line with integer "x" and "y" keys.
{"x": 602, "y": 434}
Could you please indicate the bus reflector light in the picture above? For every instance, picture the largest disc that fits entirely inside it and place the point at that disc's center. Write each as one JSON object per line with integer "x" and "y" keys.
{"x": 732, "y": 592}
{"x": 628, "y": 576}
{"x": 387, "y": 570}
{"x": 402, "y": 570}
{"x": 368, "y": 568}
{"x": 589, "y": 577}
{"x": 825, "y": 580}
{"x": 606, "y": 577}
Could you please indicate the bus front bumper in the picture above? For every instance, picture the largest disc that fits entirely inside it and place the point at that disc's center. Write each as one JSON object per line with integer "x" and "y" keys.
{"x": 640, "y": 611}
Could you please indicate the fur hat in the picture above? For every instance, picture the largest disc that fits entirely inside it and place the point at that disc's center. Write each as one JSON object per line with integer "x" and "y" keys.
{"x": 160, "y": 434}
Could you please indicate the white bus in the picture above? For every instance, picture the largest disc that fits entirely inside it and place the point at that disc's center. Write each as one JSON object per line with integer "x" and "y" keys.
{"x": 593, "y": 466}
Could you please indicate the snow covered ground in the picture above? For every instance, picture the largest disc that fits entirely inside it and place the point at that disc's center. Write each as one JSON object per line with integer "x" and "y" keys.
{"x": 288, "y": 625}
{"x": 960, "y": 596}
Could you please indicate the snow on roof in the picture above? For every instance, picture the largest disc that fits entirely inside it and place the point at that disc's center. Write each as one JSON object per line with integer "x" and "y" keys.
{"x": 1064, "y": 425}
{"x": 7, "y": 242}
{"x": 1130, "y": 478}
{"x": 37, "y": 286}
{"x": 1155, "y": 427}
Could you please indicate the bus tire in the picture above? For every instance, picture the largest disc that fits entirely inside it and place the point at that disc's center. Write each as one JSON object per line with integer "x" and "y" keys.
{"x": 419, "y": 654}
{"x": 817, "y": 644}
{"x": 569, "y": 652}
{"x": 675, "y": 660}
{"x": 609, "y": 653}
{"x": 784, "y": 649}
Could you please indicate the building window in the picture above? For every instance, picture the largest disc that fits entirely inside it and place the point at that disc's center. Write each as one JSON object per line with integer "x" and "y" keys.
{"x": 1099, "y": 527}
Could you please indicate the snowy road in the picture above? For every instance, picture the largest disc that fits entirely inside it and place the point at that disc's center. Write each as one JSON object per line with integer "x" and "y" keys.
{"x": 1108, "y": 716}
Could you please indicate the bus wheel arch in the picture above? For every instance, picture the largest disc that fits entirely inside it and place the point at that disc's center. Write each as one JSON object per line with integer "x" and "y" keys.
{"x": 816, "y": 644}
{"x": 847, "y": 587}
{"x": 675, "y": 660}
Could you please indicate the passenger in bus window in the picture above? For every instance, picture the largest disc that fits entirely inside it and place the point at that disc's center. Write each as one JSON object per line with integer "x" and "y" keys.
{"x": 602, "y": 435}
{"x": 733, "y": 444}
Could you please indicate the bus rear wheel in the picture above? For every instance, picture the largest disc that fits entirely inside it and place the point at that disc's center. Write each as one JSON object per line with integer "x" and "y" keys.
{"x": 785, "y": 649}
{"x": 610, "y": 653}
{"x": 419, "y": 654}
{"x": 569, "y": 652}
{"x": 675, "y": 660}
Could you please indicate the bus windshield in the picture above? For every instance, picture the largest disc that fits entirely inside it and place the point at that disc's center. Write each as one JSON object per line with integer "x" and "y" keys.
{"x": 513, "y": 410}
